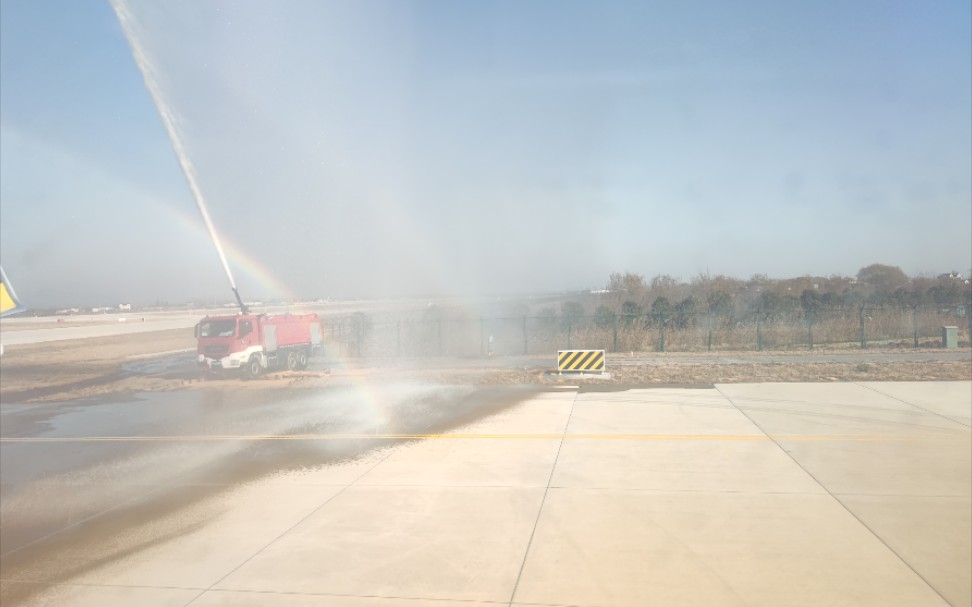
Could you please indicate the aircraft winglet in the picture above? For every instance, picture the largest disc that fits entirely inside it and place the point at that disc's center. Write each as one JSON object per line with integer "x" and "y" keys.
{"x": 9, "y": 304}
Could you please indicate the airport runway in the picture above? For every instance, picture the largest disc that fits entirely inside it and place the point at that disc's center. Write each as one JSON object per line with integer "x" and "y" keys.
{"x": 19, "y": 329}
{"x": 414, "y": 495}
{"x": 83, "y": 327}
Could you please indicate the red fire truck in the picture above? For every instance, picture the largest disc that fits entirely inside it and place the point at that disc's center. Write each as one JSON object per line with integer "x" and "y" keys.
{"x": 254, "y": 343}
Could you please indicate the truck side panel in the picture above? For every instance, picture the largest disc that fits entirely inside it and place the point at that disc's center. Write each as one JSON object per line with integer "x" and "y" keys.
{"x": 270, "y": 337}
{"x": 294, "y": 330}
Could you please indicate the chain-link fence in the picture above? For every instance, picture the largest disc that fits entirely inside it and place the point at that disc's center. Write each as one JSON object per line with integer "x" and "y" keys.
{"x": 865, "y": 326}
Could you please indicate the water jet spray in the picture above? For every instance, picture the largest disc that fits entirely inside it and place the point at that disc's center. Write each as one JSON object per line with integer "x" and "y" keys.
{"x": 128, "y": 25}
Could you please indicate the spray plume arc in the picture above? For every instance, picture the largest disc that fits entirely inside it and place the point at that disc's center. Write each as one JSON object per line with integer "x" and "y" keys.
{"x": 128, "y": 25}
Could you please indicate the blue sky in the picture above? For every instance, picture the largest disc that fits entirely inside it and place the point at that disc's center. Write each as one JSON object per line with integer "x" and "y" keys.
{"x": 418, "y": 148}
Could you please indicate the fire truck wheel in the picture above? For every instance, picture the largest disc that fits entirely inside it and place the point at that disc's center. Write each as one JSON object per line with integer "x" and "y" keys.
{"x": 302, "y": 360}
{"x": 291, "y": 360}
{"x": 253, "y": 368}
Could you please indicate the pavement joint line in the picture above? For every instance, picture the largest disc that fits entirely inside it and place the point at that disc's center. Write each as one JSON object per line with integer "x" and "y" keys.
{"x": 842, "y": 504}
{"x": 364, "y": 596}
{"x": 92, "y": 585}
{"x": 272, "y": 592}
{"x": 656, "y": 491}
{"x": 910, "y": 404}
{"x": 916, "y": 496}
{"x": 855, "y": 418}
{"x": 12, "y": 551}
{"x": 543, "y": 500}
{"x": 292, "y": 527}
{"x": 410, "y": 437}
{"x": 789, "y": 401}
{"x": 844, "y": 406}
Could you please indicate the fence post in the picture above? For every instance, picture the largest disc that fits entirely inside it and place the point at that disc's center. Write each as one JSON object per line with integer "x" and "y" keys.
{"x": 526, "y": 339}
{"x": 708, "y": 326}
{"x": 914, "y": 323}
{"x": 614, "y": 323}
{"x": 863, "y": 334}
{"x": 759, "y": 330}
{"x": 810, "y": 329}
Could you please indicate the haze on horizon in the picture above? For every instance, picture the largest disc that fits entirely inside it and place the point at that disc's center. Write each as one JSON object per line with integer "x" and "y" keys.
{"x": 394, "y": 148}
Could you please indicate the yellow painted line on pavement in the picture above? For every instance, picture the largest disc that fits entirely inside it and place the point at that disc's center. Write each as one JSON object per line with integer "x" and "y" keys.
{"x": 332, "y": 437}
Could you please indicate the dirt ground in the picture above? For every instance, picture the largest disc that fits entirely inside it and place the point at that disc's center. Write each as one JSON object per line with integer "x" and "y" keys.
{"x": 63, "y": 370}
{"x": 164, "y": 360}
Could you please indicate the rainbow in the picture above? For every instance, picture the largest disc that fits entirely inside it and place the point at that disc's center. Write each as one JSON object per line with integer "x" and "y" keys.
{"x": 239, "y": 258}
{"x": 373, "y": 407}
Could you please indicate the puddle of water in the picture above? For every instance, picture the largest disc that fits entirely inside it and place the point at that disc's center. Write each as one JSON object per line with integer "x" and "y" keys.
{"x": 49, "y": 485}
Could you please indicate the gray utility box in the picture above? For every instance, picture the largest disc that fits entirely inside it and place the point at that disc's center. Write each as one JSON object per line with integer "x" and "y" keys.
{"x": 949, "y": 337}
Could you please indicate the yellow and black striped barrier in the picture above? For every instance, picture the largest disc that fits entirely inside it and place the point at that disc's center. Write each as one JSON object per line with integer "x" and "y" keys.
{"x": 580, "y": 360}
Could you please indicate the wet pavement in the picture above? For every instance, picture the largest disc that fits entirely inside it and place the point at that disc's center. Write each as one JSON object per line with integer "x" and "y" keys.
{"x": 70, "y": 468}
{"x": 391, "y": 493}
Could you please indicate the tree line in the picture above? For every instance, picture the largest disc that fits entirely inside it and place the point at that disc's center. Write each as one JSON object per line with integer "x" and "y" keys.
{"x": 629, "y": 297}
